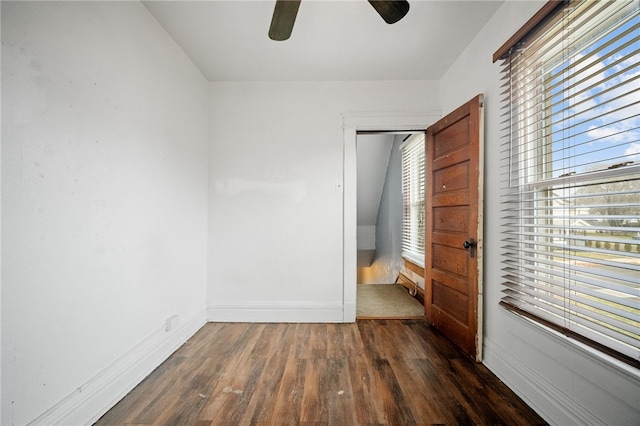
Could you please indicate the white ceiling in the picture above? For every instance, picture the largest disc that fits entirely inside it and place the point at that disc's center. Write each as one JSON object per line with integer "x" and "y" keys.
{"x": 341, "y": 40}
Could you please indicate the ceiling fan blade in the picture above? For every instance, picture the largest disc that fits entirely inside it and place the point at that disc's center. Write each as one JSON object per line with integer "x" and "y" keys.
{"x": 284, "y": 16}
{"x": 391, "y": 10}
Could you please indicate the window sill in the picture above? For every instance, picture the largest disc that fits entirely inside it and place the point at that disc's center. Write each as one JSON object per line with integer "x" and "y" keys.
{"x": 413, "y": 266}
{"x": 612, "y": 363}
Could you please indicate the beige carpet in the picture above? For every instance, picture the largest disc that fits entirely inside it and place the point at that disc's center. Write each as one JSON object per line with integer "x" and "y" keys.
{"x": 386, "y": 301}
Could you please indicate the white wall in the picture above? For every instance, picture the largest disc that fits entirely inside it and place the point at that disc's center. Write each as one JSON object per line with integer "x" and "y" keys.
{"x": 372, "y": 159}
{"x": 104, "y": 210}
{"x": 564, "y": 382}
{"x": 373, "y": 152}
{"x": 276, "y": 208}
{"x": 387, "y": 261}
{"x": 366, "y": 237}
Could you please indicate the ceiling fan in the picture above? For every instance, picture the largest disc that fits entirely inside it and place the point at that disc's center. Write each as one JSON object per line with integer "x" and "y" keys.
{"x": 285, "y": 11}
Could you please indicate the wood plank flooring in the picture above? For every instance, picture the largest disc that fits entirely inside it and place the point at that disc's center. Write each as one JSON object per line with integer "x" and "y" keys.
{"x": 373, "y": 372}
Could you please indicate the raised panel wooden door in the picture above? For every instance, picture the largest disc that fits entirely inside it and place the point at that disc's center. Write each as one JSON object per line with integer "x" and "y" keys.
{"x": 453, "y": 258}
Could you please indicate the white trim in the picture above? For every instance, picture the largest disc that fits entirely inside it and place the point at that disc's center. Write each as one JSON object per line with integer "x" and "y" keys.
{"x": 98, "y": 395}
{"x": 554, "y": 405}
{"x": 571, "y": 180}
{"x": 349, "y": 312}
{"x": 542, "y": 396}
{"x": 365, "y": 121}
{"x": 349, "y": 224}
{"x": 615, "y": 366}
{"x": 275, "y": 312}
{"x": 390, "y": 121}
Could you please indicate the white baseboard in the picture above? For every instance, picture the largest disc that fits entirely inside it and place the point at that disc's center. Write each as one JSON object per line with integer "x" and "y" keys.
{"x": 94, "y": 398}
{"x": 275, "y": 312}
{"x": 555, "y": 406}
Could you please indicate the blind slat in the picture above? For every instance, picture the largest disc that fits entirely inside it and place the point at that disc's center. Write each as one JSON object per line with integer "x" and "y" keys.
{"x": 413, "y": 196}
{"x": 570, "y": 160}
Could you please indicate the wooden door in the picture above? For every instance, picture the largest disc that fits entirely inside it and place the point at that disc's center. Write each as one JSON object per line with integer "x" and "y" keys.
{"x": 453, "y": 258}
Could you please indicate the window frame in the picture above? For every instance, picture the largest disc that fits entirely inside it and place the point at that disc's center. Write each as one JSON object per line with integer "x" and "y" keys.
{"x": 413, "y": 199}
{"x": 523, "y": 194}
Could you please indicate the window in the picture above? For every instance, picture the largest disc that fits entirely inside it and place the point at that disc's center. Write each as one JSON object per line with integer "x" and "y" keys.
{"x": 571, "y": 188}
{"x": 413, "y": 198}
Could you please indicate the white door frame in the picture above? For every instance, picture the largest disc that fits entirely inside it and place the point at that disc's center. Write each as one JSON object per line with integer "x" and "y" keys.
{"x": 352, "y": 124}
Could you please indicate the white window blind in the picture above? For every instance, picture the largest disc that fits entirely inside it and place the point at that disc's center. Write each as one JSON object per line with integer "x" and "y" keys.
{"x": 413, "y": 198}
{"x": 571, "y": 163}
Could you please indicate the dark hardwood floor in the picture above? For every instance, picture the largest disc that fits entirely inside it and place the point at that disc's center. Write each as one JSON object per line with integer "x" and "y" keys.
{"x": 373, "y": 372}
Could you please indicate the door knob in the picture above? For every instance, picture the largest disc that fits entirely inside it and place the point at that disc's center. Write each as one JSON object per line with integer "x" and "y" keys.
{"x": 470, "y": 245}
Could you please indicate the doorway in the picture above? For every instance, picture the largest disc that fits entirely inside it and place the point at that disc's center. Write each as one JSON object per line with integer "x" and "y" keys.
{"x": 453, "y": 207}
{"x": 354, "y": 123}
{"x": 380, "y": 293}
